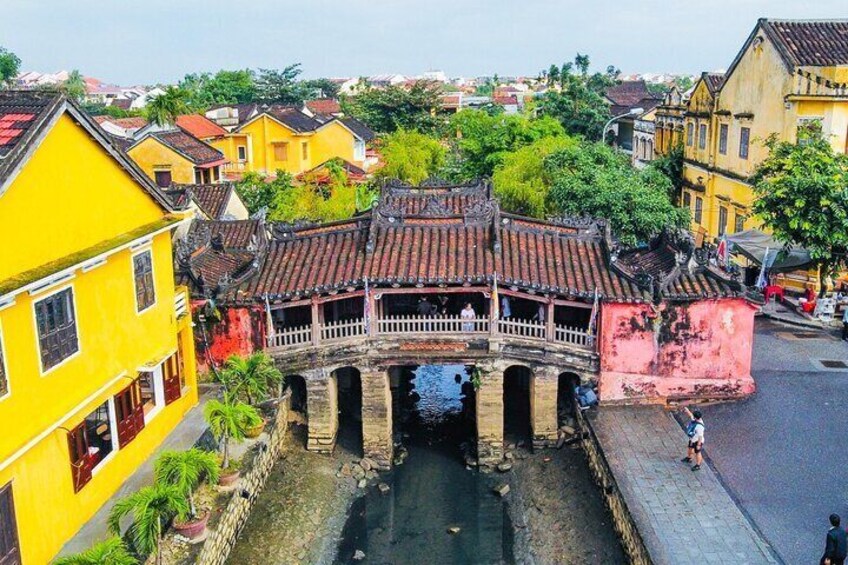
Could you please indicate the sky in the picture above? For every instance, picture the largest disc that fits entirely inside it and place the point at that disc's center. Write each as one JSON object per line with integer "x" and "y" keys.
{"x": 145, "y": 42}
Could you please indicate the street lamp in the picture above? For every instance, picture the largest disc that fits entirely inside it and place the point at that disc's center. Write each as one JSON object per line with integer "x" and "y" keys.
{"x": 631, "y": 112}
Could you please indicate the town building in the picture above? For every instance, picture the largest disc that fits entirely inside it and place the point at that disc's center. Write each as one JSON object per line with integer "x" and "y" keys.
{"x": 669, "y": 121}
{"x": 172, "y": 156}
{"x": 645, "y": 325}
{"x": 644, "y": 128}
{"x": 96, "y": 346}
{"x": 121, "y": 127}
{"x": 787, "y": 74}
{"x": 624, "y": 98}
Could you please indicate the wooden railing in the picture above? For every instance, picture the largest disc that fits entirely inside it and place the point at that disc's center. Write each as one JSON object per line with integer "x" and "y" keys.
{"x": 522, "y": 328}
{"x": 424, "y": 326}
{"x": 432, "y": 325}
{"x": 301, "y": 335}
{"x": 332, "y": 331}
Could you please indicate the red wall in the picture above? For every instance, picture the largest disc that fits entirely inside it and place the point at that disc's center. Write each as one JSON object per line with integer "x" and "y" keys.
{"x": 240, "y": 331}
{"x": 695, "y": 350}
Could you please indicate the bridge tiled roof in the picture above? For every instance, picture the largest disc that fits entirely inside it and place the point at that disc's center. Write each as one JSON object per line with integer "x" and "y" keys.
{"x": 456, "y": 235}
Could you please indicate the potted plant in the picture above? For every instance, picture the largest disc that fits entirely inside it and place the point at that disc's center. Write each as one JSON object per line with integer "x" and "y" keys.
{"x": 187, "y": 470}
{"x": 109, "y": 552}
{"x": 229, "y": 420}
{"x": 152, "y": 508}
{"x": 251, "y": 378}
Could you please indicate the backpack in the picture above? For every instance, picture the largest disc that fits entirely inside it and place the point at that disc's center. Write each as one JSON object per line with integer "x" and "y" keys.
{"x": 692, "y": 427}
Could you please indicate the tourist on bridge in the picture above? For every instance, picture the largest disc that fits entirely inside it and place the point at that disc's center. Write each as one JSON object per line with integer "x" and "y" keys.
{"x": 506, "y": 312}
{"x": 468, "y": 314}
{"x": 695, "y": 433}
{"x": 836, "y": 544}
{"x": 424, "y": 307}
{"x": 540, "y": 313}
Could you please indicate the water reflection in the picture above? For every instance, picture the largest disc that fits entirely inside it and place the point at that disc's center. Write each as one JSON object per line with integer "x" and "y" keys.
{"x": 432, "y": 491}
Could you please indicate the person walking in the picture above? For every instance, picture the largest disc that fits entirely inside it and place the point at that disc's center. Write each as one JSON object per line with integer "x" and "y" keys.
{"x": 845, "y": 323}
{"x": 695, "y": 433}
{"x": 506, "y": 311}
{"x": 835, "y": 544}
{"x": 468, "y": 314}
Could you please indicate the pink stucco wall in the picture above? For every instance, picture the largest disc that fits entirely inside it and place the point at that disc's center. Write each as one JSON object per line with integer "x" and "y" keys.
{"x": 696, "y": 350}
{"x": 240, "y": 331}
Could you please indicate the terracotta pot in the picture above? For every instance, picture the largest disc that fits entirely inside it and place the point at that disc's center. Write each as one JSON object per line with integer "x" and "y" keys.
{"x": 256, "y": 430}
{"x": 192, "y": 529}
{"x": 228, "y": 478}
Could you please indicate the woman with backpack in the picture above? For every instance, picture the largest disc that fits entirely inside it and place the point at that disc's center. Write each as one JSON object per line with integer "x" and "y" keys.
{"x": 695, "y": 433}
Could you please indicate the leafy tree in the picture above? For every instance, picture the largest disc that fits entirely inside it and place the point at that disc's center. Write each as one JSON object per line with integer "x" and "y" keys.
{"x": 229, "y": 421}
{"x": 580, "y": 104}
{"x": 410, "y": 156}
{"x": 483, "y": 140}
{"x": 281, "y": 87}
{"x": 10, "y": 66}
{"x": 392, "y": 108}
{"x": 74, "y": 86}
{"x": 224, "y": 87}
{"x": 802, "y": 196}
{"x": 152, "y": 508}
{"x": 110, "y": 110}
{"x": 250, "y": 377}
{"x": 683, "y": 83}
{"x": 671, "y": 165}
{"x": 322, "y": 88}
{"x": 522, "y": 182}
{"x": 257, "y": 192}
{"x": 186, "y": 470}
{"x": 109, "y": 552}
{"x": 485, "y": 89}
{"x": 553, "y": 75}
{"x": 365, "y": 197}
{"x": 165, "y": 108}
{"x": 593, "y": 179}
{"x": 317, "y": 198}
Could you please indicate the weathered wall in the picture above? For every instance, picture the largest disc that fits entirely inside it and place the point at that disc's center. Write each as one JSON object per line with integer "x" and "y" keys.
{"x": 220, "y": 542}
{"x": 240, "y": 331}
{"x": 697, "y": 350}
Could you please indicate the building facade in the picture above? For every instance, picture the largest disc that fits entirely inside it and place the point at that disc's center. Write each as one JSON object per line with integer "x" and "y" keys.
{"x": 175, "y": 157}
{"x": 96, "y": 357}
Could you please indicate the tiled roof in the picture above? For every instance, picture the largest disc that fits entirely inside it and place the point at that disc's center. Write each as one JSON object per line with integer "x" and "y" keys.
{"x": 200, "y": 126}
{"x": 126, "y": 123}
{"x": 504, "y": 99}
{"x": 327, "y": 106}
{"x": 211, "y": 198}
{"x": 361, "y": 130}
{"x": 189, "y": 146}
{"x": 354, "y": 173}
{"x": 629, "y": 93}
{"x": 817, "y": 43}
{"x": 714, "y": 81}
{"x": 22, "y": 112}
{"x": 292, "y": 117}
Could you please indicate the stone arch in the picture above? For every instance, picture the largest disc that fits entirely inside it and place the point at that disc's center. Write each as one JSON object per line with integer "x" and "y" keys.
{"x": 349, "y": 392}
{"x": 566, "y": 381}
{"x": 517, "y": 392}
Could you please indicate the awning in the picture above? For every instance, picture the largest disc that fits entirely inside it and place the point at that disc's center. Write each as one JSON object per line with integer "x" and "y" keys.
{"x": 753, "y": 244}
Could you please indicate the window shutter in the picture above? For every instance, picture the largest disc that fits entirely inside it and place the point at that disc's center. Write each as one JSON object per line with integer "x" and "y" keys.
{"x": 81, "y": 462}
{"x": 10, "y": 553}
{"x": 171, "y": 377}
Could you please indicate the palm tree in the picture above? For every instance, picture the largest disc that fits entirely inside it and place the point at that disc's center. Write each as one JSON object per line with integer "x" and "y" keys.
{"x": 251, "y": 376}
{"x": 230, "y": 420}
{"x": 152, "y": 508}
{"x": 109, "y": 552}
{"x": 187, "y": 470}
{"x": 165, "y": 108}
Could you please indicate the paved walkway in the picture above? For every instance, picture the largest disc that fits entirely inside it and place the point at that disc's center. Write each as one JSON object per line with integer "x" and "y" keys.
{"x": 683, "y": 516}
{"x": 184, "y": 436}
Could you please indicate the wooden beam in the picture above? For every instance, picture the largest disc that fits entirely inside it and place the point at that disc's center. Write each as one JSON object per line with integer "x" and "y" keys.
{"x": 432, "y": 290}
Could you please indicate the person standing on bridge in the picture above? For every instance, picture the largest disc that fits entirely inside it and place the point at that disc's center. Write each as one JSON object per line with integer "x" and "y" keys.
{"x": 468, "y": 314}
{"x": 695, "y": 433}
{"x": 836, "y": 544}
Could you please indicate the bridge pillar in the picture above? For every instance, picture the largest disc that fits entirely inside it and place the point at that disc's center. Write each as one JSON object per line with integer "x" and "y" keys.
{"x": 377, "y": 417}
{"x": 490, "y": 424}
{"x": 543, "y": 406}
{"x": 322, "y": 399}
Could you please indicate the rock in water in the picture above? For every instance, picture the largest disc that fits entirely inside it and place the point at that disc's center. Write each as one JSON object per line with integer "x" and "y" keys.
{"x": 502, "y": 490}
{"x": 454, "y": 530}
{"x": 362, "y": 483}
{"x": 358, "y": 555}
{"x": 358, "y": 472}
{"x": 345, "y": 470}
{"x": 366, "y": 464}
{"x": 509, "y": 455}
{"x": 504, "y": 467}
{"x": 568, "y": 430}
{"x": 384, "y": 488}
{"x": 560, "y": 442}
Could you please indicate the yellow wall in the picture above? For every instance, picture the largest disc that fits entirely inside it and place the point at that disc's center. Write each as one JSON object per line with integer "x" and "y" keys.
{"x": 152, "y": 155}
{"x": 69, "y": 176}
{"x": 228, "y": 145}
{"x": 113, "y": 338}
{"x": 331, "y": 141}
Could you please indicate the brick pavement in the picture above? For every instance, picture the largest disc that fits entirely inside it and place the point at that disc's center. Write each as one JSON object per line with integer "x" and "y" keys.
{"x": 683, "y": 516}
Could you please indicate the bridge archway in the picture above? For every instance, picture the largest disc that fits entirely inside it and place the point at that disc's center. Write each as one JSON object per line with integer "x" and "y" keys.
{"x": 565, "y": 395}
{"x": 348, "y": 383}
{"x": 517, "y": 404}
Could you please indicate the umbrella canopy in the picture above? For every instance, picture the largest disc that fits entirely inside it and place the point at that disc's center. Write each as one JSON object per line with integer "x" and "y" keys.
{"x": 753, "y": 244}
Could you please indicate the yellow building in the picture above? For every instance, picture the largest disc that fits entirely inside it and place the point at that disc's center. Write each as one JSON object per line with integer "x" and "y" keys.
{"x": 176, "y": 157}
{"x": 780, "y": 80}
{"x": 270, "y": 137}
{"x": 669, "y": 121}
{"x": 96, "y": 350}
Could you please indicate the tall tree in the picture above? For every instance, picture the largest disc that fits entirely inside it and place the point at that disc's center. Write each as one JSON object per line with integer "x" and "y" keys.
{"x": 802, "y": 196}
{"x": 10, "y": 65}
{"x": 259, "y": 192}
{"x": 281, "y": 86}
{"x": 388, "y": 109}
{"x": 410, "y": 156}
{"x": 224, "y": 87}
{"x": 152, "y": 508}
{"x": 74, "y": 86}
{"x": 165, "y": 108}
{"x": 593, "y": 179}
{"x": 322, "y": 88}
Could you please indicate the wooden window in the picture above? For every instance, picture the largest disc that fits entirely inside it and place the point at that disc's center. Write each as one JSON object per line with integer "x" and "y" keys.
{"x": 198, "y": 176}
{"x": 722, "y": 220}
{"x": 10, "y": 549}
{"x": 129, "y": 412}
{"x": 163, "y": 178}
{"x": 722, "y": 139}
{"x": 281, "y": 151}
{"x": 81, "y": 464}
{"x": 89, "y": 444}
{"x": 690, "y": 134}
{"x": 172, "y": 377}
{"x": 147, "y": 387}
{"x": 702, "y": 136}
{"x": 145, "y": 293}
{"x": 687, "y": 200}
{"x": 242, "y": 153}
{"x": 57, "y": 328}
{"x": 744, "y": 140}
{"x": 304, "y": 149}
{"x": 739, "y": 223}
{"x": 699, "y": 209}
